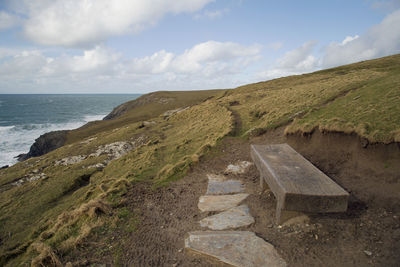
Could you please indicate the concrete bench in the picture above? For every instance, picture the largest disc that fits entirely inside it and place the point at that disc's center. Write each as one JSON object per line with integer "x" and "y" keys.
{"x": 297, "y": 184}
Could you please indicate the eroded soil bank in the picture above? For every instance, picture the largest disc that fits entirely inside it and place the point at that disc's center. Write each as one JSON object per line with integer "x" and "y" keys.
{"x": 368, "y": 234}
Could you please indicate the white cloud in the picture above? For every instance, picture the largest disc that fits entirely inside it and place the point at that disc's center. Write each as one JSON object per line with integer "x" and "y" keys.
{"x": 299, "y": 58}
{"x": 157, "y": 63}
{"x": 206, "y": 65}
{"x": 208, "y": 53}
{"x": 348, "y": 39}
{"x": 83, "y": 22}
{"x": 22, "y": 64}
{"x": 212, "y": 14}
{"x": 8, "y": 20}
{"x": 296, "y": 61}
{"x": 380, "y": 40}
{"x": 386, "y": 5}
{"x": 7, "y": 52}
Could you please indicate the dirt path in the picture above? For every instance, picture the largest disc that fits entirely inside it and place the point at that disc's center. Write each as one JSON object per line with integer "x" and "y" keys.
{"x": 368, "y": 234}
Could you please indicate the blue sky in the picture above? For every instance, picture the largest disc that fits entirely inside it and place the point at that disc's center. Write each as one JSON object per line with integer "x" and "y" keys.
{"x": 138, "y": 46}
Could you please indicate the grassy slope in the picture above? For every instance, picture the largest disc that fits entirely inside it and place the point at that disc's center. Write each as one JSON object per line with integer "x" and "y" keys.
{"x": 45, "y": 211}
{"x": 372, "y": 110}
{"x": 57, "y": 212}
{"x": 145, "y": 108}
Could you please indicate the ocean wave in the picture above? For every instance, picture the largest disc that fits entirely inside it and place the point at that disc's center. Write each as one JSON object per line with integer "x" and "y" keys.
{"x": 88, "y": 118}
{"x": 17, "y": 139}
{"x": 6, "y": 128}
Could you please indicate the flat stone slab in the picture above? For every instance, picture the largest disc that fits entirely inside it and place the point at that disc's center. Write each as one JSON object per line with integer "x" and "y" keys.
{"x": 237, "y": 248}
{"x": 220, "y": 202}
{"x": 224, "y": 187}
{"x": 232, "y": 218}
{"x": 238, "y": 168}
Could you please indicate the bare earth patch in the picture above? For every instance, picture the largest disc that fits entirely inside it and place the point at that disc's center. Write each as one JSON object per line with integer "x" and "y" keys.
{"x": 367, "y": 234}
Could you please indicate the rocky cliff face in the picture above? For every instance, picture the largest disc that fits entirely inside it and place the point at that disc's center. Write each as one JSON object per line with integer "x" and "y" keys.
{"x": 45, "y": 143}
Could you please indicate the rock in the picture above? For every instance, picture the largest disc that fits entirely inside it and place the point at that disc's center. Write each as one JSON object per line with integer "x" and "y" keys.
{"x": 113, "y": 151}
{"x": 225, "y": 187}
{"x": 4, "y": 167}
{"x": 29, "y": 178}
{"x": 368, "y": 253}
{"x": 237, "y": 248}
{"x": 148, "y": 123}
{"x": 302, "y": 219}
{"x": 239, "y": 168}
{"x": 232, "y": 218}
{"x": 117, "y": 149}
{"x": 44, "y": 144}
{"x": 221, "y": 202}
{"x": 98, "y": 166}
{"x": 171, "y": 112}
{"x": 36, "y": 177}
{"x": 70, "y": 160}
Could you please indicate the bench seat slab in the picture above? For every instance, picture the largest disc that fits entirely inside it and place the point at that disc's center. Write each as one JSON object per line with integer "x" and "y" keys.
{"x": 296, "y": 183}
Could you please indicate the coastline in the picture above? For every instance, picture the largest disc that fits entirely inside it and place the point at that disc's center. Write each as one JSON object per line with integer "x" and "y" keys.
{"x": 24, "y": 117}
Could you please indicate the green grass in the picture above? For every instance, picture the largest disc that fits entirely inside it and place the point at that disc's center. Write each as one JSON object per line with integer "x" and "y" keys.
{"x": 372, "y": 111}
{"x": 59, "y": 200}
{"x": 47, "y": 218}
{"x": 145, "y": 108}
{"x": 274, "y": 103}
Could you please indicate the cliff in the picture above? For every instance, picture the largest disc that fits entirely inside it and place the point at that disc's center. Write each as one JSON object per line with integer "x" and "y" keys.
{"x": 44, "y": 144}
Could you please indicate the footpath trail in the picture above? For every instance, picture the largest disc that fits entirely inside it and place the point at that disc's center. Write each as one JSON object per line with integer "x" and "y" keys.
{"x": 222, "y": 242}
{"x": 367, "y": 235}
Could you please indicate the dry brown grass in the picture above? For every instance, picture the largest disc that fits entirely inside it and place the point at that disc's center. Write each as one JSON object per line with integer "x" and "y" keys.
{"x": 46, "y": 257}
{"x": 273, "y": 103}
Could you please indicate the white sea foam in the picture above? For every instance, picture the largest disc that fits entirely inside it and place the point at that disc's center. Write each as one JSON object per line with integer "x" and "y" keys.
{"x": 88, "y": 118}
{"x": 15, "y": 140}
{"x": 5, "y": 128}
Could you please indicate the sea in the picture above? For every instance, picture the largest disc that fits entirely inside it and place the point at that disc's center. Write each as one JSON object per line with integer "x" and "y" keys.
{"x": 24, "y": 117}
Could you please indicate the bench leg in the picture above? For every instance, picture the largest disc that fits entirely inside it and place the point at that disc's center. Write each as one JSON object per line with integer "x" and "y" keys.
{"x": 263, "y": 184}
{"x": 284, "y": 215}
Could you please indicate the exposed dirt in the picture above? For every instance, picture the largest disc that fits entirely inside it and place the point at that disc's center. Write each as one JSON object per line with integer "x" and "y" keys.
{"x": 368, "y": 234}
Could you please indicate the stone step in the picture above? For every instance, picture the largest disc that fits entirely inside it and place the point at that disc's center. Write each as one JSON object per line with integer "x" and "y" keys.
{"x": 224, "y": 187}
{"x": 238, "y": 168}
{"x": 237, "y": 248}
{"x": 220, "y": 202}
{"x": 232, "y": 218}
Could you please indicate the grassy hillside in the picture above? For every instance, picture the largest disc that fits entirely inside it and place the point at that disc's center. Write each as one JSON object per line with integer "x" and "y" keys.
{"x": 144, "y": 108}
{"x": 49, "y": 204}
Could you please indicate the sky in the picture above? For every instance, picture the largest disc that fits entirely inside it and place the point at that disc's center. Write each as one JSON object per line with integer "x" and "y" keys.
{"x": 140, "y": 46}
